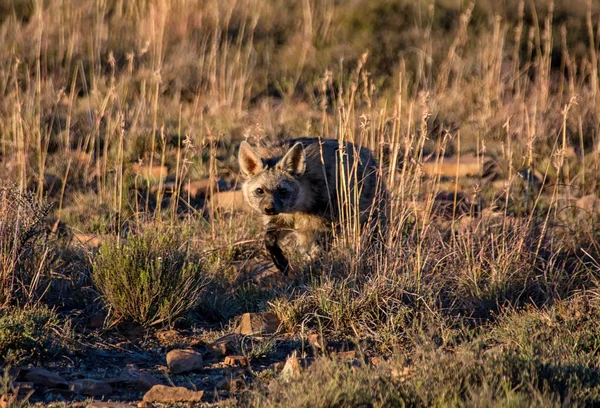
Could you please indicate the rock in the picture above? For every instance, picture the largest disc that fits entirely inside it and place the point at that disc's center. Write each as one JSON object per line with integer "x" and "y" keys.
{"x": 317, "y": 341}
{"x": 224, "y": 346}
{"x": 133, "y": 376}
{"x": 236, "y": 361}
{"x": 257, "y": 323}
{"x": 144, "y": 404}
{"x": 170, "y": 395}
{"x": 291, "y": 369}
{"x": 41, "y": 376}
{"x": 183, "y": 361}
{"x": 90, "y": 387}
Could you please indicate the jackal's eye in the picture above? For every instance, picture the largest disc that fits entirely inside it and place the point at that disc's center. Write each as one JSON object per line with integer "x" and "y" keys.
{"x": 259, "y": 191}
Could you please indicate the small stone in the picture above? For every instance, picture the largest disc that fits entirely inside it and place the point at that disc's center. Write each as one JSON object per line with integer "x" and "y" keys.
{"x": 183, "y": 361}
{"x": 144, "y": 404}
{"x": 41, "y": 376}
{"x": 224, "y": 346}
{"x": 236, "y": 361}
{"x": 257, "y": 324}
{"x": 291, "y": 369}
{"x": 91, "y": 388}
{"x": 170, "y": 395}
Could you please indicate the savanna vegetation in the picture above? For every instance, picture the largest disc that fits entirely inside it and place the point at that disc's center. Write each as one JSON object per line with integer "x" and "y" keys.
{"x": 123, "y": 234}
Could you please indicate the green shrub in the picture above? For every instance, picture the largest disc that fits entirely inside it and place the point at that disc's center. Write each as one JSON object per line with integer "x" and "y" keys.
{"x": 29, "y": 332}
{"x": 151, "y": 279}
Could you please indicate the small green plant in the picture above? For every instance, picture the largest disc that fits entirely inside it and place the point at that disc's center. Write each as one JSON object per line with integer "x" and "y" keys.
{"x": 257, "y": 349}
{"x": 29, "y": 332}
{"x": 151, "y": 279}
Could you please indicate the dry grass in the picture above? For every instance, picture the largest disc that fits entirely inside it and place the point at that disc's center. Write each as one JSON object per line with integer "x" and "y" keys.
{"x": 485, "y": 123}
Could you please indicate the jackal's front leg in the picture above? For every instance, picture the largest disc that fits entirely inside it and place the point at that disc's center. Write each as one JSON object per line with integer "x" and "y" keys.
{"x": 272, "y": 244}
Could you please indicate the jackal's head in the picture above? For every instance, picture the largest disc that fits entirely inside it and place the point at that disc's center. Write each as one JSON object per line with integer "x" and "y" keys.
{"x": 272, "y": 188}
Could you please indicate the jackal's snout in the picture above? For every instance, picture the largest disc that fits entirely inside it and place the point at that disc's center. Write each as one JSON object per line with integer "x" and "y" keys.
{"x": 269, "y": 208}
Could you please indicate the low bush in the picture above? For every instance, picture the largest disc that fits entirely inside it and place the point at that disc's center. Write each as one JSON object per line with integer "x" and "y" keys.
{"x": 29, "y": 333}
{"x": 151, "y": 279}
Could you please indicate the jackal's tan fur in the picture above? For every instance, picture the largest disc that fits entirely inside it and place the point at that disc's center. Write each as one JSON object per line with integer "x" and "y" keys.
{"x": 295, "y": 184}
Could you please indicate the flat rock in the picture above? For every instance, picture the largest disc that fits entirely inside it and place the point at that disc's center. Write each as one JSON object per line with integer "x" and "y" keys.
{"x": 225, "y": 345}
{"x": 41, "y": 376}
{"x": 170, "y": 395}
{"x": 236, "y": 361}
{"x": 183, "y": 361}
{"x": 257, "y": 323}
{"x": 90, "y": 387}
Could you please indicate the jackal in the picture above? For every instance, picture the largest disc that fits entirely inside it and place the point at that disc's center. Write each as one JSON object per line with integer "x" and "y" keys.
{"x": 298, "y": 187}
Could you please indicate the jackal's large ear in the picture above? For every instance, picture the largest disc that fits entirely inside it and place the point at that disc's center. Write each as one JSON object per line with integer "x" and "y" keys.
{"x": 250, "y": 162}
{"x": 294, "y": 160}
